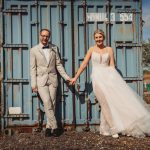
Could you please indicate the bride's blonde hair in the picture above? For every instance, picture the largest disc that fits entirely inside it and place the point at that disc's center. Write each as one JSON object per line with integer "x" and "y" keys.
{"x": 100, "y": 32}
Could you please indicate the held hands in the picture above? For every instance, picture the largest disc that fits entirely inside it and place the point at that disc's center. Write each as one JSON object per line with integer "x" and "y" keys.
{"x": 72, "y": 81}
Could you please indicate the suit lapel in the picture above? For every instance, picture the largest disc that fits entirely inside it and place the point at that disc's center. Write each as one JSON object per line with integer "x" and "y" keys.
{"x": 50, "y": 53}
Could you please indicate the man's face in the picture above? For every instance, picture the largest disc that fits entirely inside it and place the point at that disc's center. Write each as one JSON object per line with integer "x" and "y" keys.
{"x": 44, "y": 37}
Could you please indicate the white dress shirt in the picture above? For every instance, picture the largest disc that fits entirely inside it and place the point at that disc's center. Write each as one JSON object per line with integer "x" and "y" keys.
{"x": 46, "y": 53}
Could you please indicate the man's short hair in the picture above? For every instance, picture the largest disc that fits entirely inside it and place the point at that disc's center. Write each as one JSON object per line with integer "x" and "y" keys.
{"x": 45, "y": 30}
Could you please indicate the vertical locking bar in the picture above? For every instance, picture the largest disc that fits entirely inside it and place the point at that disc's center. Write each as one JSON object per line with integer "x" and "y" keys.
{"x": 88, "y": 103}
{"x": 85, "y": 41}
{"x": 61, "y": 29}
{"x": 37, "y": 16}
{"x": 37, "y": 30}
{"x": 73, "y": 65}
{"x": 108, "y": 42}
{"x": 2, "y": 61}
{"x": 1, "y": 24}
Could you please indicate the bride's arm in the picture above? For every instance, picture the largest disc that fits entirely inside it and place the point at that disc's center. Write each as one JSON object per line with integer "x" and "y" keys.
{"x": 83, "y": 65}
{"x": 112, "y": 60}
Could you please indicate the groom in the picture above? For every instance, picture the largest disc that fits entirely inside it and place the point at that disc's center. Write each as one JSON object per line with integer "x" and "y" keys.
{"x": 44, "y": 64}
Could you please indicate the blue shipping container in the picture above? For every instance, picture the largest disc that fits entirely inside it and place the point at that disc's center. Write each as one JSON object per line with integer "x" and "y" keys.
{"x": 72, "y": 23}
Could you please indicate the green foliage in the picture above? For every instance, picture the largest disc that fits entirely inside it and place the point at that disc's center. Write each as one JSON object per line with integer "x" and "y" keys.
{"x": 146, "y": 55}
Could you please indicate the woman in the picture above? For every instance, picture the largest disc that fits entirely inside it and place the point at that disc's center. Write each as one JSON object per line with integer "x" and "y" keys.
{"x": 122, "y": 110}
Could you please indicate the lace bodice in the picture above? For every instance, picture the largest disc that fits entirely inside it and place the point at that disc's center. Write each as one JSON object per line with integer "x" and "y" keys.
{"x": 100, "y": 59}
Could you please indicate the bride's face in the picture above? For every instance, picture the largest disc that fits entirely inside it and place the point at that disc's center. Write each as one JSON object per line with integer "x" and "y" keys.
{"x": 99, "y": 39}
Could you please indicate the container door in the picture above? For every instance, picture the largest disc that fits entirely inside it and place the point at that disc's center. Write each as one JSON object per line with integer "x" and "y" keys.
{"x": 17, "y": 107}
{"x": 56, "y": 16}
{"x": 88, "y": 17}
{"x": 120, "y": 22}
{"x": 23, "y": 21}
{"x": 126, "y": 40}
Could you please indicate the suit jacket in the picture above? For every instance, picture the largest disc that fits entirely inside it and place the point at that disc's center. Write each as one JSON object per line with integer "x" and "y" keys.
{"x": 41, "y": 71}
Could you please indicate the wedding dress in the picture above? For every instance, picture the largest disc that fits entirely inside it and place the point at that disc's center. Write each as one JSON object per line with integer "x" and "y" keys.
{"x": 122, "y": 110}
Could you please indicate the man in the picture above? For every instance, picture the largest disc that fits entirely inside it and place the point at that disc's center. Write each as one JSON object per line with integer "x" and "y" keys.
{"x": 44, "y": 64}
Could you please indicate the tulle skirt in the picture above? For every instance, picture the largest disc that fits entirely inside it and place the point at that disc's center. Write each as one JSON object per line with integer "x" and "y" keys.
{"x": 122, "y": 110}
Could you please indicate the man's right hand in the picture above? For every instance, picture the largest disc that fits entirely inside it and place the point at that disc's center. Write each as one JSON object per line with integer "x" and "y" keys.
{"x": 34, "y": 89}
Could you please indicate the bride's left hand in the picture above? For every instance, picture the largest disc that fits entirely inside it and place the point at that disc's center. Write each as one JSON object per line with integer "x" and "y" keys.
{"x": 73, "y": 81}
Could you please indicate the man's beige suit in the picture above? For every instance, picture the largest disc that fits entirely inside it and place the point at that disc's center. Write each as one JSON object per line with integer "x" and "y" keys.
{"x": 44, "y": 77}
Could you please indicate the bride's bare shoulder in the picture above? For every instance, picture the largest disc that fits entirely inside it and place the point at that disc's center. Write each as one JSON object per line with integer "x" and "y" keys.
{"x": 110, "y": 49}
{"x": 91, "y": 49}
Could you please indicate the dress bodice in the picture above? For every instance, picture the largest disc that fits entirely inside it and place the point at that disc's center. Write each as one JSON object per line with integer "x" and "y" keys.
{"x": 100, "y": 59}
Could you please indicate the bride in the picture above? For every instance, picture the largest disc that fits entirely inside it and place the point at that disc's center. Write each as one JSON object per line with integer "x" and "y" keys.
{"x": 122, "y": 110}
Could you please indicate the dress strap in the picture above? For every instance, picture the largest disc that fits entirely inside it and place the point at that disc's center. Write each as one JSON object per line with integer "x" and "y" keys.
{"x": 106, "y": 50}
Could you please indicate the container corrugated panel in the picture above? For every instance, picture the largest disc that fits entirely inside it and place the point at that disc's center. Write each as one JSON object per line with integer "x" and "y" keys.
{"x": 72, "y": 24}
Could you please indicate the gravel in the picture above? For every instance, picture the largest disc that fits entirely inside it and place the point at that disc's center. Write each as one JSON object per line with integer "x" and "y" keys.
{"x": 71, "y": 140}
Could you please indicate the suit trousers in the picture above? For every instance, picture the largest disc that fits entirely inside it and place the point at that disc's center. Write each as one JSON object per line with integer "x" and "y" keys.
{"x": 48, "y": 96}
